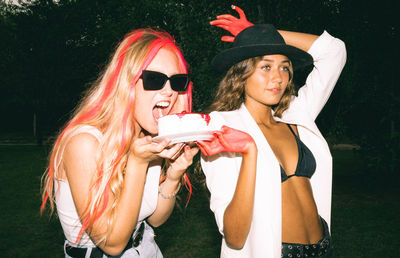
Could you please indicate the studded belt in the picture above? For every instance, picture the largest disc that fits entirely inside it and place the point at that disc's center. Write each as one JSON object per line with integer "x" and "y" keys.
{"x": 79, "y": 252}
{"x": 318, "y": 249}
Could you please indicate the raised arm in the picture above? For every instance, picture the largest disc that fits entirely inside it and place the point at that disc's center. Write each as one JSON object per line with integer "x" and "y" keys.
{"x": 298, "y": 39}
{"x": 235, "y": 25}
{"x": 329, "y": 56}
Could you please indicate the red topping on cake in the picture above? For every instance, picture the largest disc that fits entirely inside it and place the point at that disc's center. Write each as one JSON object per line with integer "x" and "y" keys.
{"x": 180, "y": 115}
{"x": 206, "y": 118}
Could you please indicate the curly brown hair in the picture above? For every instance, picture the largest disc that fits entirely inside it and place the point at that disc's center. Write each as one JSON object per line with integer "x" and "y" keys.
{"x": 231, "y": 90}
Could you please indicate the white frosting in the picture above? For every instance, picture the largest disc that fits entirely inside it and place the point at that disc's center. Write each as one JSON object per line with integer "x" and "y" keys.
{"x": 182, "y": 123}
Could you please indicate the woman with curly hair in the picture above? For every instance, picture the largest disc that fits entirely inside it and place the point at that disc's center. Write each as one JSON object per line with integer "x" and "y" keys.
{"x": 107, "y": 179}
{"x": 269, "y": 169}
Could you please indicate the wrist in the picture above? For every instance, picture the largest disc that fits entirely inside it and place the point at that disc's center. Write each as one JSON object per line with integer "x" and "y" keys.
{"x": 137, "y": 160}
{"x": 162, "y": 190}
{"x": 135, "y": 165}
{"x": 174, "y": 175}
{"x": 251, "y": 149}
{"x": 172, "y": 181}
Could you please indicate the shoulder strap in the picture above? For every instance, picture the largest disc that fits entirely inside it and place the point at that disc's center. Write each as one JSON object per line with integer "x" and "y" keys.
{"x": 291, "y": 130}
{"x": 84, "y": 129}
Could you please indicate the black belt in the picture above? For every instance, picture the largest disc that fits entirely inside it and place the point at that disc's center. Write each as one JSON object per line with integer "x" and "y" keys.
{"x": 78, "y": 252}
{"x": 319, "y": 249}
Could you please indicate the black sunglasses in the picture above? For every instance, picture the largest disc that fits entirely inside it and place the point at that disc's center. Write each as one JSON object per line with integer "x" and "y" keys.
{"x": 156, "y": 81}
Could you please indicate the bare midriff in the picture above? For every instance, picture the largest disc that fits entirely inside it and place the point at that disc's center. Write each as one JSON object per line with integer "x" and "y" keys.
{"x": 301, "y": 223}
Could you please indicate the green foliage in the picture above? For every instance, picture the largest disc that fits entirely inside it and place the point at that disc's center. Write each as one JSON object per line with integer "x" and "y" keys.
{"x": 52, "y": 50}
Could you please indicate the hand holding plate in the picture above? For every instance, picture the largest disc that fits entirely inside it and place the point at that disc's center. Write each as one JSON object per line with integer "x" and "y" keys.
{"x": 227, "y": 139}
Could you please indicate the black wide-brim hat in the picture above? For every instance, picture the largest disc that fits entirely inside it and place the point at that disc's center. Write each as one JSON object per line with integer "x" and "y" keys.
{"x": 259, "y": 40}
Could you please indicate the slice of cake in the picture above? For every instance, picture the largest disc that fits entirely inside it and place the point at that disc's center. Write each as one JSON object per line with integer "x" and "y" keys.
{"x": 183, "y": 123}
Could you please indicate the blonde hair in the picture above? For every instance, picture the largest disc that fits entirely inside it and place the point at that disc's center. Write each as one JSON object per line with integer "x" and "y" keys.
{"x": 108, "y": 107}
{"x": 231, "y": 90}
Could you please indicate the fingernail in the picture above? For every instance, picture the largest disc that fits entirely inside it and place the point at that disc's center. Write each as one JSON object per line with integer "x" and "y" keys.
{"x": 233, "y": 7}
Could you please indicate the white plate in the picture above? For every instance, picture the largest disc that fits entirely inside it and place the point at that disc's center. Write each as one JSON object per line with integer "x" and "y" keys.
{"x": 186, "y": 137}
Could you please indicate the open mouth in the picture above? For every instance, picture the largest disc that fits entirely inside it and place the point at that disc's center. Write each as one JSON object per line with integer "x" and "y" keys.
{"x": 160, "y": 109}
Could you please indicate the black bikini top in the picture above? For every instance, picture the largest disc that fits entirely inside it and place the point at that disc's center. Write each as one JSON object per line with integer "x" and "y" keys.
{"x": 306, "y": 163}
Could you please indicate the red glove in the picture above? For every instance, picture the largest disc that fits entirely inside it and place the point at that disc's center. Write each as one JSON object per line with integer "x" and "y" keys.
{"x": 227, "y": 139}
{"x": 232, "y": 24}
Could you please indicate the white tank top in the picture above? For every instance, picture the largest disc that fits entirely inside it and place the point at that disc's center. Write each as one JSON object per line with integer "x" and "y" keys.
{"x": 66, "y": 208}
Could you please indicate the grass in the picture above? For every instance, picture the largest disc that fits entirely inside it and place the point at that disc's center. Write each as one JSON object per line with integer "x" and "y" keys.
{"x": 365, "y": 217}
{"x": 365, "y": 210}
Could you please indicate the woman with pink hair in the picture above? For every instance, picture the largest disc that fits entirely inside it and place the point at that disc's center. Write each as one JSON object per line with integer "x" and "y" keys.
{"x": 107, "y": 179}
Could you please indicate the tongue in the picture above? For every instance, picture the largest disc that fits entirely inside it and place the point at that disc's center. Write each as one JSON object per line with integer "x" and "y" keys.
{"x": 157, "y": 113}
